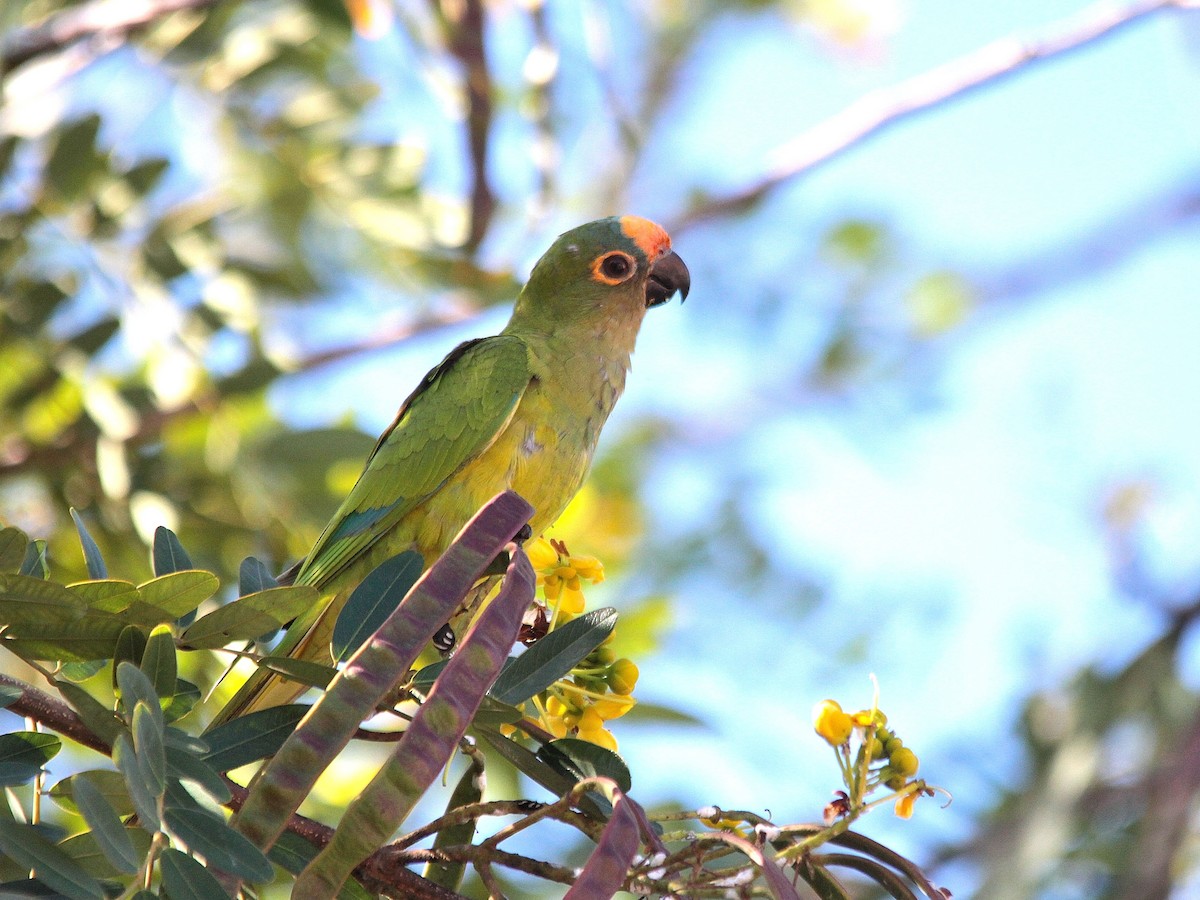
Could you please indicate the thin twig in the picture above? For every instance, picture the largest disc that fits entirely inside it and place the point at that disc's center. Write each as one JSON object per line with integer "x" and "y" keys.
{"x": 880, "y": 109}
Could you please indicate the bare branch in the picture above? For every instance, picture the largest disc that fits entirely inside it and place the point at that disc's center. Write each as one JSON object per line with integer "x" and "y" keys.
{"x": 878, "y": 110}
{"x": 107, "y": 20}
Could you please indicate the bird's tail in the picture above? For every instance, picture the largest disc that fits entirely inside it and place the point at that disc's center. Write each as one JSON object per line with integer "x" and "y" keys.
{"x": 307, "y": 638}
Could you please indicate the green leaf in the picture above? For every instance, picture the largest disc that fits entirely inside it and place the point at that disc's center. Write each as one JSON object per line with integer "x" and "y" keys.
{"x": 91, "y": 551}
{"x": 207, "y": 834}
{"x": 158, "y": 662}
{"x": 134, "y": 687}
{"x": 85, "y": 850}
{"x": 549, "y": 777}
{"x": 301, "y": 670}
{"x": 180, "y": 592}
{"x": 492, "y": 714}
{"x": 23, "y": 753}
{"x": 182, "y": 702}
{"x": 185, "y": 879}
{"x": 141, "y": 791}
{"x": 109, "y": 783}
{"x": 26, "y": 600}
{"x": 148, "y": 743}
{"x": 91, "y": 636}
{"x": 9, "y": 694}
{"x": 80, "y": 672}
{"x": 131, "y": 644}
{"x": 249, "y": 617}
{"x": 553, "y": 656}
{"x": 168, "y": 554}
{"x": 54, "y": 868}
{"x": 292, "y": 853}
{"x": 73, "y": 161}
{"x": 252, "y": 737}
{"x": 142, "y": 177}
{"x": 253, "y": 577}
{"x": 468, "y": 790}
{"x": 35, "y": 563}
{"x": 375, "y": 598}
{"x": 186, "y": 767}
{"x": 13, "y": 544}
{"x": 95, "y": 715}
{"x": 111, "y": 835}
{"x": 582, "y": 759}
{"x": 109, "y": 595}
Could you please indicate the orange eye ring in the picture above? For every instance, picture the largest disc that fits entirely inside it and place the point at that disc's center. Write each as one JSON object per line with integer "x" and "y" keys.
{"x": 613, "y": 268}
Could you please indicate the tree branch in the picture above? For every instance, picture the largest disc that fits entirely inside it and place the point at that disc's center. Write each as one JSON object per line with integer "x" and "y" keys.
{"x": 109, "y": 20}
{"x": 880, "y": 109}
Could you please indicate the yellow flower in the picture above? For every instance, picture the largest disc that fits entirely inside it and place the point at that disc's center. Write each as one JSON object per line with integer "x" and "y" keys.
{"x": 541, "y": 554}
{"x": 613, "y": 707}
{"x": 904, "y": 806}
{"x": 622, "y": 677}
{"x": 831, "y": 723}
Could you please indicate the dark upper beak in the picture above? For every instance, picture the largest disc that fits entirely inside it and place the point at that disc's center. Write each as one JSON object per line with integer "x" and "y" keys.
{"x": 667, "y": 276}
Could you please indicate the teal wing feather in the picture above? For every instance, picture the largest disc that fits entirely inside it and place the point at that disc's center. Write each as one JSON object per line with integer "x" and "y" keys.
{"x": 455, "y": 414}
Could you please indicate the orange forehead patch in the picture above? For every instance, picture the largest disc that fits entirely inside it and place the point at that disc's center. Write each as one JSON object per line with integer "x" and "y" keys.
{"x": 650, "y": 238}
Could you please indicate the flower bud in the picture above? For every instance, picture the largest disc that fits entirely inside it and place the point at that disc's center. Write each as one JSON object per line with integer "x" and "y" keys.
{"x": 622, "y": 676}
{"x": 904, "y": 762}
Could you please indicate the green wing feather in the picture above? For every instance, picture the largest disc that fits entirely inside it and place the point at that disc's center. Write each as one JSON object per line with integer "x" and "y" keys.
{"x": 455, "y": 414}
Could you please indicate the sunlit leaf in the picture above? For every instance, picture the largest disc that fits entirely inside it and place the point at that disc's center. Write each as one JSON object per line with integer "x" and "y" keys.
{"x": 179, "y": 592}
{"x": 85, "y": 850}
{"x": 249, "y": 617}
{"x": 108, "y": 595}
{"x": 301, "y": 670}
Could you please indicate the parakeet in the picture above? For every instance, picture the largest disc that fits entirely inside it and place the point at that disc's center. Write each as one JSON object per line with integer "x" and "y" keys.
{"x": 522, "y": 410}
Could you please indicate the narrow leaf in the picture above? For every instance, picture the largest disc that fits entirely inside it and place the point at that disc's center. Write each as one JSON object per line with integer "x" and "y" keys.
{"x": 182, "y": 702}
{"x": 54, "y": 868}
{"x": 141, "y": 792}
{"x": 35, "y": 564}
{"x": 134, "y": 688}
{"x": 111, "y": 835}
{"x": 583, "y": 759}
{"x": 249, "y": 617}
{"x": 23, "y": 753}
{"x": 373, "y": 601}
{"x": 148, "y": 742}
{"x": 186, "y": 767}
{"x": 131, "y": 643}
{"x": 207, "y": 834}
{"x": 553, "y": 656}
{"x": 177, "y": 593}
{"x": 13, "y": 544}
{"x": 468, "y": 790}
{"x": 248, "y": 738}
{"x": 292, "y": 853}
{"x": 109, "y": 783}
{"x": 85, "y": 850}
{"x": 168, "y": 554}
{"x": 301, "y": 670}
{"x": 185, "y": 879}
{"x": 91, "y": 551}
{"x": 110, "y": 595}
{"x": 94, "y": 714}
{"x": 158, "y": 662}
{"x": 253, "y": 577}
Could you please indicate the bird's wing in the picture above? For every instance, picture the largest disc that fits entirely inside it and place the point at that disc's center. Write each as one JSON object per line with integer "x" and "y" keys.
{"x": 455, "y": 414}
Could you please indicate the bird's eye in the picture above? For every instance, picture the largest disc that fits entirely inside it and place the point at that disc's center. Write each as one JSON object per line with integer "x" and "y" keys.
{"x": 613, "y": 268}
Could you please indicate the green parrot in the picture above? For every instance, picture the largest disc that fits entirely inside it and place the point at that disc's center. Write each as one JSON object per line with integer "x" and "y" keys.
{"x": 522, "y": 410}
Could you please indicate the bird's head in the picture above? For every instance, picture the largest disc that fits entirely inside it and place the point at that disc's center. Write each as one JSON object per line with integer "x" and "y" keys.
{"x": 612, "y": 269}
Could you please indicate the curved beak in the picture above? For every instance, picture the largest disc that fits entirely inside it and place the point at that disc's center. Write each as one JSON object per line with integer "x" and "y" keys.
{"x": 668, "y": 276}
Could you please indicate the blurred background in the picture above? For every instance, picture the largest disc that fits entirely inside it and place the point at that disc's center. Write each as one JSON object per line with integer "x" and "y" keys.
{"x": 929, "y": 413}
